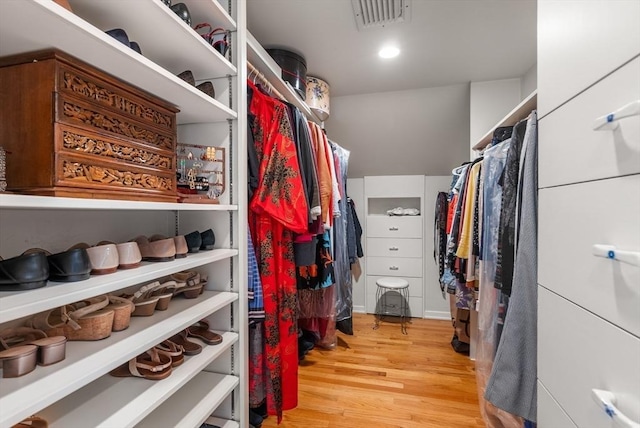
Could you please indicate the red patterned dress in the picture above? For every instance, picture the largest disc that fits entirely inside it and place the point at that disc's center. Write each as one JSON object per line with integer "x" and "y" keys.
{"x": 277, "y": 210}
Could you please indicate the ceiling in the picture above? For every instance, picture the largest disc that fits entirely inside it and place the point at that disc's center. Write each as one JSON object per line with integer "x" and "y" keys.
{"x": 445, "y": 42}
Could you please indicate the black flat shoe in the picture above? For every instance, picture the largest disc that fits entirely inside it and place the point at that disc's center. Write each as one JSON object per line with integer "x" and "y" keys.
{"x": 69, "y": 266}
{"x": 208, "y": 240}
{"x": 25, "y": 272}
{"x": 194, "y": 241}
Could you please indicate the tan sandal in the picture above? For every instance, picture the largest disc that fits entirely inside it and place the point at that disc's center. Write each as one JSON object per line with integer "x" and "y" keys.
{"x": 151, "y": 365}
{"x": 51, "y": 350}
{"x": 189, "y": 284}
{"x": 32, "y": 422}
{"x": 145, "y": 303}
{"x": 200, "y": 330}
{"x": 189, "y": 347}
{"x": 89, "y": 322}
{"x": 171, "y": 349}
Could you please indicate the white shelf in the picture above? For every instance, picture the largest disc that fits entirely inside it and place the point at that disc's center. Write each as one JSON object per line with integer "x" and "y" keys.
{"x": 520, "y": 112}
{"x": 131, "y": 399}
{"x": 222, "y": 423}
{"x": 212, "y": 12}
{"x": 261, "y": 60}
{"x": 87, "y": 361}
{"x": 193, "y": 403}
{"x": 15, "y": 201}
{"x": 61, "y": 29}
{"x": 18, "y": 304}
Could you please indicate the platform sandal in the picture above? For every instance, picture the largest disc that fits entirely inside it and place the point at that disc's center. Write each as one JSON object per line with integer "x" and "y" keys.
{"x": 151, "y": 365}
{"x": 189, "y": 284}
{"x": 51, "y": 349}
{"x": 32, "y": 422}
{"x": 200, "y": 330}
{"x": 89, "y": 322}
{"x": 145, "y": 304}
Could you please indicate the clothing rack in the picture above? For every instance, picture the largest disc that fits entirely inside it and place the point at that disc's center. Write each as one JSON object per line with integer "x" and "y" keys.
{"x": 263, "y": 80}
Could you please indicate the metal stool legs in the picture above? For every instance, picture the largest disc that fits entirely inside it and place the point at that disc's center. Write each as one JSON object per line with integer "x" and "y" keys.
{"x": 382, "y": 307}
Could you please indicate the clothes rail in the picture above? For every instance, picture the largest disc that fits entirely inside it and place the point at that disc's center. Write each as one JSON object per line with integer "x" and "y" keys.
{"x": 263, "y": 80}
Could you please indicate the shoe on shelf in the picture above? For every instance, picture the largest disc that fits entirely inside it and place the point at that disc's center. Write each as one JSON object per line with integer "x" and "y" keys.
{"x": 179, "y": 242}
{"x": 208, "y": 240}
{"x": 67, "y": 266}
{"x": 129, "y": 256}
{"x": 104, "y": 258}
{"x": 25, "y": 272}
{"x": 189, "y": 283}
{"x": 200, "y": 330}
{"x": 150, "y": 365}
{"x": 19, "y": 360}
{"x": 32, "y": 422}
{"x": 50, "y": 350}
{"x": 171, "y": 349}
{"x": 194, "y": 241}
{"x": 162, "y": 250}
{"x": 189, "y": 347}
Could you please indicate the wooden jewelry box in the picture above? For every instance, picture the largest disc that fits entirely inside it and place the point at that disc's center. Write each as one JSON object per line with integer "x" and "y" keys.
{"x": 72, "y": 130}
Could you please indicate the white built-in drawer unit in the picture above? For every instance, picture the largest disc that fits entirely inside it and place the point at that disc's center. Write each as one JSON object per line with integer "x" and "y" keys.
{"x": 550, "y": 414}
{"x": 572, "y": 220}
{"x": 394, "y": 244}
{"x": 394, "y": 247}
{"x": 571, "y": 151}
{"x": 579, "y": 352}
{"x": 580, "y": 42}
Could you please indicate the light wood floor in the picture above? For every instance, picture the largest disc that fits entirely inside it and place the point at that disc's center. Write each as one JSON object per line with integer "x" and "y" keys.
{"x": 383, "y": 379}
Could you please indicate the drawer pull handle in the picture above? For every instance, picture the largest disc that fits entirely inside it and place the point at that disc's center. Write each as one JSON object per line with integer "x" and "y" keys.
{"x": 607, "y": 401}
{"x": 393, "y": 268}
{"x": 393, "y": 248}
{"x": 610, "y": 252}
{"x": 393, "y": 228}
{"x": 610, "y": 122}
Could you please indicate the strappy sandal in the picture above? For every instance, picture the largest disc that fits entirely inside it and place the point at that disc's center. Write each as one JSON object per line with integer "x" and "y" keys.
{"x": 171, "y": 349}
{"x": 145, "y": 303}
{"x": 189, "y": 284}
{"x": 189, "y": 347}
{"x": 151, "y": 365}
{"x": 200, "y": 330}
{"x": 164, "y": 291}
{"x": 32, "y": 422}
{"x": 50, "y": 349}
{"x": 89, "y": 322}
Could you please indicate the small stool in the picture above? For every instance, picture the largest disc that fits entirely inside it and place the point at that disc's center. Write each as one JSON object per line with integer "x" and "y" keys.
{"x": 396, "y": 284}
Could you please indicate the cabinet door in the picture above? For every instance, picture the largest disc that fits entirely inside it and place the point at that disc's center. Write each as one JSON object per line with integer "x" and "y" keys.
{"x": 571, "y": 151}
{"x": 581, "y": 41}
{"x": 402, "y": 267}
{"x": 394, "y": 227}
{"x": 579, "y": 352}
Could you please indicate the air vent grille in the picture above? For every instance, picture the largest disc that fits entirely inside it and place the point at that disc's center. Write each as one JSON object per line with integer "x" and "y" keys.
{"x": 380, "y": 13}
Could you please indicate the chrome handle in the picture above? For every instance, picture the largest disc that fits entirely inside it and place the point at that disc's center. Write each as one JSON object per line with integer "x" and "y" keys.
{"x": 610, "y": 252}
{"x": 393, "y": 248}
{"x": 393, "y": 228}
{"x": 393, "y": 268}
{"x": 607, "y": 401}
{"x": 609, "y": 121}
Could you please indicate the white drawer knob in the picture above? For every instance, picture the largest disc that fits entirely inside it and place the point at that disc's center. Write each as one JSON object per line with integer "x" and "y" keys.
{"x": 393, "y": 228}
{"x": 393, "y": 248}
{"x": 610, "y": 121}
{"x": 393, "y": 268}
{"x": 610, "y": 252}
{"x": 607, "y": 401}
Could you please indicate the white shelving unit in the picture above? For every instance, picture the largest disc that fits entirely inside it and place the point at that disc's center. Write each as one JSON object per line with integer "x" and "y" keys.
{"x": 212, "y": 385}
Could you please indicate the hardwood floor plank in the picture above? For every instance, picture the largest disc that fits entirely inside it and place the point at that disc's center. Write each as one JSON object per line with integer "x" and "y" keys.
{"x": 384, "y": 379}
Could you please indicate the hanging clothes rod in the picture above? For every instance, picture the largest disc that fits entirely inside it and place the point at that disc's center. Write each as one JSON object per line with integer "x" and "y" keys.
{"x": 263, "y": 80}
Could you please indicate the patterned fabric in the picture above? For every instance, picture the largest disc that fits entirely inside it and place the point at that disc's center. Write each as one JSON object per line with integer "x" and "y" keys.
{"x": 256, "y": 301}
{"x": 278, "y": 208}
{"x": 440, "y": 235}
{"x": 320, "y": 274}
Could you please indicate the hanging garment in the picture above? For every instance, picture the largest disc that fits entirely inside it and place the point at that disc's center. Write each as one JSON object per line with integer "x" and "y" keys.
{"x": 358, "y": 232}
{"x": 254, "y": 286}
{"x": 325, "y": 183}
{"x": 278, "y": 208}
{"x": 512, "y": 385}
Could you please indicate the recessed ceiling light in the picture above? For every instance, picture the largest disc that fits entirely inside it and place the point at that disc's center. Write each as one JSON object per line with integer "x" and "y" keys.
{"x": 389, "y": 52}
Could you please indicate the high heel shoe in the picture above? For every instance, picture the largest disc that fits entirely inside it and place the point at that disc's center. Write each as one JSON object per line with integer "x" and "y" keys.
{"x": 50, "y": 349}
{"x": 18, "y": 361}
{"x": 189, "y": 284}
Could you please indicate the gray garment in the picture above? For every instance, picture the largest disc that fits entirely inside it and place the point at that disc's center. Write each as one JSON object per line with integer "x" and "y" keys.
{"x": 512, "y": 385}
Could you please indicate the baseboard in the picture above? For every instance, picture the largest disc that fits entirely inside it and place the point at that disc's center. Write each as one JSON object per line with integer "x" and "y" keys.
{"x": 359, "y": 309}
{"x": 437, "y": 315}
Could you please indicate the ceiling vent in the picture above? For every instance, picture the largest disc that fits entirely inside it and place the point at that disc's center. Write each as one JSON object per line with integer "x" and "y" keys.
{"x": 380, "y": 13}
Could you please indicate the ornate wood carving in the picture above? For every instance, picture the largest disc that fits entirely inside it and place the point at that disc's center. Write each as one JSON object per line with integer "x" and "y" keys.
{"x": 115, "y": 125}
{"x": 97, "y": 146}
{"x": 83, "y": 172}
{"x": 91, "y": 90}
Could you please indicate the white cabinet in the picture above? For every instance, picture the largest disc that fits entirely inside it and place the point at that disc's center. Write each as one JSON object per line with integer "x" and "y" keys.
{"x": 588, "y": 319}
{"x": 393, "y": 244}
{"x": 78, "y": 391}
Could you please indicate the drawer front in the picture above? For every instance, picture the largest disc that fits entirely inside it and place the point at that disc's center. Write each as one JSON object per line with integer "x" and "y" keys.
{"x": 399, "y": 266}
{"x": 415, "y": 285}
{"x": 394, "y": 247}
{"x": 577, "y": 352}
{"x": 580, "y": 42}
{"x": 574, "y": 218}
{"x": 571, "y": 151}
{"x": 394, "y": 227}
{"x": 550, "y": 414}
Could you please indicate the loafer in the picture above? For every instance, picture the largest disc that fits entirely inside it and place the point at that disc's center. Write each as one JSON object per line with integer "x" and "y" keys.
{"x": 69, "y": 266}
{"x": 208, "y": 240}
{"x": 207, "y": 88}
{"x": 194, "y": 241}
{"x": 179, "y": 242}
{"x": 120, "y": 35}
{"x": 187, "y": 76}
{"x": 129, "y": 256}
{"x": 103, "y": 257}
{"x": 182, "y": 11}
{"x": 25, "y": 272}
{"x": 162, "y": 250}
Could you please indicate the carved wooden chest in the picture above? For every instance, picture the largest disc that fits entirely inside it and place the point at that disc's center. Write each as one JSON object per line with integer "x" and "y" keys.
{"x": 72, "y": 130}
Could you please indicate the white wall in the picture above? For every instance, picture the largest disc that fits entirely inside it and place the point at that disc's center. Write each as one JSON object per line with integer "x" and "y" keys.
{"x": 489, "y": 103}
{"x": 529, "y": 81}
{"x": 435, "y": 306}
{"x": 417, "y": 132}
{"x": 355, "y": 190}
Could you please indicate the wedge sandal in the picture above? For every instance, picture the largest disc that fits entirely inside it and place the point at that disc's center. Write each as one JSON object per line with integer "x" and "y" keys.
{"x": 200, "y": 330}
{"x": 151, "y": 365}
{"x": 189, "y": 284}
{"x": 32, "y": 422}
{"x": 145, "y": 304}
{"x": 50, "y": 349}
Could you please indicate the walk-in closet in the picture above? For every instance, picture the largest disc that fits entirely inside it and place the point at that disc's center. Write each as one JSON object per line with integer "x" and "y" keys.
{"x": 320, "y": 213}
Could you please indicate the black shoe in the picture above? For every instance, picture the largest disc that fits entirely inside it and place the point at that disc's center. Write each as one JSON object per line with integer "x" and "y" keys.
{"x": 208, "y": 240}
{"x": 194, "y": 241}
{"x": 255, "y": 419}
{"x": 24, "y": 272}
